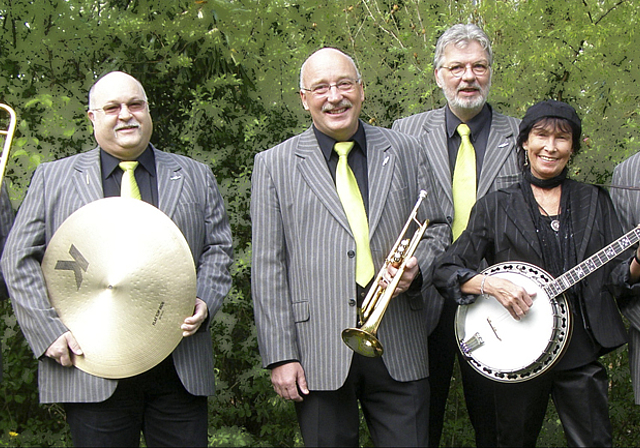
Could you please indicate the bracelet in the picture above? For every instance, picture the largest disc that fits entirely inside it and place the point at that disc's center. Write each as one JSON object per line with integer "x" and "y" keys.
{"x": 482, "y": 284}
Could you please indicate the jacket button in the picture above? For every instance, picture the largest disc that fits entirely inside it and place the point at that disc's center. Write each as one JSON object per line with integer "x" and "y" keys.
{"x": 352, "y": 302}
{"x": 351, "y": 254}
{"x": 450, "y": 219}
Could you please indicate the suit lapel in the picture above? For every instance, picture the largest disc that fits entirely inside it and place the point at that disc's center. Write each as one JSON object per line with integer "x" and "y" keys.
{"x": 380, "y": 164}
{"x": 313, "y": 167}
{"x": 86, "y": 178}
{"x": 435, "y": 142}
{"x": 170, "y": 182}
{"x": 517, "y": 211}
{"x": 583, "y": 216}
{"x": 499, "y": 145}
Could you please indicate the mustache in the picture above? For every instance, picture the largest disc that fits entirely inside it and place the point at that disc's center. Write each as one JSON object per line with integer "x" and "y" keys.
{"x": 132, "y": 124}
{"x": 342, "y": 104}
{"x": 473, "y": 85}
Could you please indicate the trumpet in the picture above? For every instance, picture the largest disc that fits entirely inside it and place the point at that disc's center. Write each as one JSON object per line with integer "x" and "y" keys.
{"x": 8, "y": 133}
{"x": 363, "y": 339}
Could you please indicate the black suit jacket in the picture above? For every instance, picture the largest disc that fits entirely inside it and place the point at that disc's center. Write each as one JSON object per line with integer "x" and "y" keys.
{"x": 501, "y": 229}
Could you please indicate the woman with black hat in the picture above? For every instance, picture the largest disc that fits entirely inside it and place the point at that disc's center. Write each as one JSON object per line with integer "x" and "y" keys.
{"x": 554, "y": 223}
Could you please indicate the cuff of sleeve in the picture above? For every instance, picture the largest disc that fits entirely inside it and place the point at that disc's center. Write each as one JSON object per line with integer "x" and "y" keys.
{"x": 280, "y": 363}
{"x": 459, "y": 277}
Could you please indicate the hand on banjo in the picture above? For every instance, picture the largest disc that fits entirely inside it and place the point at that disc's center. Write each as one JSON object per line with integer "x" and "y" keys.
{"x": 513, "y": 297}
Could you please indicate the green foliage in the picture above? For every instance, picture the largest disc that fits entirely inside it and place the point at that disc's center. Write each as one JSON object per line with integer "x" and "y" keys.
{"x": 222, "y": 79}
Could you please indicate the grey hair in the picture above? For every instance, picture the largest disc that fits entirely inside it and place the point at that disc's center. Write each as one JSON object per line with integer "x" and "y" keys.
{"x": 304, "y": 65}
{"x": 460, "y": 35}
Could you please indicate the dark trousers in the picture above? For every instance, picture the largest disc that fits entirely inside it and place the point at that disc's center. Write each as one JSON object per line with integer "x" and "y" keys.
{"x": 154, "y": 402}
{"x": 580, "y": 397}
{"x": 395, "y": 411}
{"x": 478, "y": 394}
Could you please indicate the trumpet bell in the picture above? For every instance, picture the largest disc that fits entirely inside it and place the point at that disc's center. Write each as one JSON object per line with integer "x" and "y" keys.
{"x": 362, "y": 342}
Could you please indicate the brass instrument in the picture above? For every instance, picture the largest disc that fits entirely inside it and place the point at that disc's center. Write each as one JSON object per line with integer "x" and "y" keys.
{"x": 363, "y": 339}
{"x": 8, "y": 133}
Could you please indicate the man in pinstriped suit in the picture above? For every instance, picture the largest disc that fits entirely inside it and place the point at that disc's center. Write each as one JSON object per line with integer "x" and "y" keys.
{"x": 304, "y": 267}
{"x": 463, "y": 71}
{"x": 168, "y": 403}
{"x": 625, "y": 194}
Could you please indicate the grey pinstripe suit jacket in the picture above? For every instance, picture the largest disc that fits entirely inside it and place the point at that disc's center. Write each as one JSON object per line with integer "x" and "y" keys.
{"x": 499, "y": 169}
{"x": 187, "y": 193}
{"x": 303, "y": 271}
{"x": 627, "y": 205}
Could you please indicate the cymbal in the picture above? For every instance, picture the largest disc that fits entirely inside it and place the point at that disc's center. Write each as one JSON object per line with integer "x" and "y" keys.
{"x": 121, "y": 277}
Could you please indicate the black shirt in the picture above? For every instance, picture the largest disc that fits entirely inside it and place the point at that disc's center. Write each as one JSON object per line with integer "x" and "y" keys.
{"x": 479, "y": 126}
{"x": 357, "y": 159}
{"x": 145, "y": 175}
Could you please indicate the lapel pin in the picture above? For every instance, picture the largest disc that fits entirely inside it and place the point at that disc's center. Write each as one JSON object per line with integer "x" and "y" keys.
{"x": 384, "y": 162}
{"x": 503, "y": 145}
{"x": 175, "y": 177}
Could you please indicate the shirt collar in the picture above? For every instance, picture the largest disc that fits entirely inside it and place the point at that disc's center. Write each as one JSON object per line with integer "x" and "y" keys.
{"x": 475, "y": 124}
{"x": 109, "y": 163}
{"x": 326, "y": 143}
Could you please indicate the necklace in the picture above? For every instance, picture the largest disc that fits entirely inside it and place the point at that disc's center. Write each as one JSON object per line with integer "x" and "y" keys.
{"x": 555, "y": 223}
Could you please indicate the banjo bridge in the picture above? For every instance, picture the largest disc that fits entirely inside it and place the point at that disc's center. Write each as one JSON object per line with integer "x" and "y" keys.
{"x": 471, "y": 344}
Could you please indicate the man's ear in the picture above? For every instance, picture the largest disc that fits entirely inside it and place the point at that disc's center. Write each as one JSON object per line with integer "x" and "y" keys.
{"x": 303, "y": 98}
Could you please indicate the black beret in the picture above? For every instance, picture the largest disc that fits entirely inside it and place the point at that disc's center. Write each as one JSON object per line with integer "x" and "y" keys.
{"x": 550, "y": 108}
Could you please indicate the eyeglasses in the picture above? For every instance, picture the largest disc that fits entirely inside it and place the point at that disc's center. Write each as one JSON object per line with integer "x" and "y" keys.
{"x": 346, "y": 85}
{"x": 478, "y": 69}
{"x": 115, "y": 109}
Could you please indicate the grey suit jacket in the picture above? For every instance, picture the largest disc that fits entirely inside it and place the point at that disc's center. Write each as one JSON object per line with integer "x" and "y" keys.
{"x": 499, "y": 169}
{"x": 187, "y": 193}
{"x": 303, "y": 270}
{"x": 627, "y": 205}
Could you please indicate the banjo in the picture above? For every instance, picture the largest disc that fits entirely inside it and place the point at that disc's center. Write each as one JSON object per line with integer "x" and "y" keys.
{"x": 506, "y": 350}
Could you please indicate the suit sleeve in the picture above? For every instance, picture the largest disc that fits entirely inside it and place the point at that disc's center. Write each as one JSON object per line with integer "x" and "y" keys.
{"x": 21, "y": 268}
{"x": 622, "y": 201}
{"x": 438, "y": 233}
{"x": 212, "y": 265}
{"x": 270, "y": 288}
{"x": 6, "y": 222}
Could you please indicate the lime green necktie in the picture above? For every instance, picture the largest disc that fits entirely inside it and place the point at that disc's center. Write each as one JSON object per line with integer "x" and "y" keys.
{"x": 129, "y": 186}
{"x": 464, "y": 182}
{"x": 351, "y": 199}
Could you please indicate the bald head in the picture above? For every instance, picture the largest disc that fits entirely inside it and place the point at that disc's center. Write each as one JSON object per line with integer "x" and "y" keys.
{"x": 112, "y": 77}
{"x": 322, "y": 55}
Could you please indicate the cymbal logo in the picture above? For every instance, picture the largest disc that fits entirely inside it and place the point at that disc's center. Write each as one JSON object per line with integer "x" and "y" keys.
{"x": 159, "y": 314}
{"x": 78, "y": 264}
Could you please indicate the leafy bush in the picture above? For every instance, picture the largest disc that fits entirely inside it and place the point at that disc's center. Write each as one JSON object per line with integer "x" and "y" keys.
{"x": 222, "y": 80}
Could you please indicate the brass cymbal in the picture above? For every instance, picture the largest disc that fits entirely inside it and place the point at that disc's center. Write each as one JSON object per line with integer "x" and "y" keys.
{"x": 121, "y": 276}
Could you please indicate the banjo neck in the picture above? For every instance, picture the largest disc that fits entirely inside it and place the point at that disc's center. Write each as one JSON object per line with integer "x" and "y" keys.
{"x": 591, "y": 264}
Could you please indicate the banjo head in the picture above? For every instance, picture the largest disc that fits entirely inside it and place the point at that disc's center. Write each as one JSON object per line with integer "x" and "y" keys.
{"x": 504, "y": 349}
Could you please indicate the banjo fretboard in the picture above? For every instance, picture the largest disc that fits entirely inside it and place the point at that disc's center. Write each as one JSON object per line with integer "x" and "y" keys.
{"x": 591, "y": 264}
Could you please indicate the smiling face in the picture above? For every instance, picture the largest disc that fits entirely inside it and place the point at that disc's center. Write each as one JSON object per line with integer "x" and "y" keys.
{"x": 468, "y": 93}
{"x": 335, "y": 113}
{"x": 124, "y": 134}
{"x": 549, "y": 147}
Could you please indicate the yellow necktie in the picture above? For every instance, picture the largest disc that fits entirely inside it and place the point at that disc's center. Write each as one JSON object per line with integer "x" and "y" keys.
{"x": 351, "y": 199}
{"x": 129, "y": 186}
{"x": 464, "y": 182}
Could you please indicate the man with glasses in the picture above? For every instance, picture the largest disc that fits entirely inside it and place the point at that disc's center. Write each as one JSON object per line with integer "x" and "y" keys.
{"x": 168, "y": 403}
{"x": 472, "y": 151}
{"x": 327, "y": 206}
